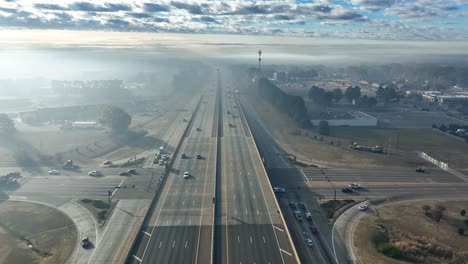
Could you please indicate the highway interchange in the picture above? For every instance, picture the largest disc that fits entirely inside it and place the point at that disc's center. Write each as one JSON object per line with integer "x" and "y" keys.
{"x": 226, "y": 211}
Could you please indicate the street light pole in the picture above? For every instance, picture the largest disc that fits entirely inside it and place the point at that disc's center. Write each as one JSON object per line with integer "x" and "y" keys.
{"x": 331, "y": 183}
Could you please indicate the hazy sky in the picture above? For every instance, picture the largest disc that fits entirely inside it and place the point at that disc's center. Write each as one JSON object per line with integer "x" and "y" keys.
{"x": 363, "y": 19}
{"x": 51, "y": 38}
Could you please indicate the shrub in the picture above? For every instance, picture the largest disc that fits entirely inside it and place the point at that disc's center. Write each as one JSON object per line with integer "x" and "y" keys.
{"x": 461, "y": 231}
{"x": 426, "y": 208}
{"x": 389, "y": 250}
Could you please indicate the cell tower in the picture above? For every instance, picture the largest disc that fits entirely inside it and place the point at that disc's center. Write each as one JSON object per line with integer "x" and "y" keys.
{"x": 259, "y": 58}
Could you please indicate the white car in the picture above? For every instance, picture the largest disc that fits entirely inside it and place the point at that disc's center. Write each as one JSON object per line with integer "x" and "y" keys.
{"x": 309, "y": 242}
{"x": 363, "y": 207}
{"x": 95, "y": 173}
{"x": 54, "y": 172}
{"x": 279, "y": 190}
{"x": 354, "y": 185}
{"x": 186, "y": 175}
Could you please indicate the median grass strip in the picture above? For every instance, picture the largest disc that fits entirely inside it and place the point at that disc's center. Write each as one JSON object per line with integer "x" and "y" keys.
{"x": 331, "y": 206}
{"x": 100, "y": 209}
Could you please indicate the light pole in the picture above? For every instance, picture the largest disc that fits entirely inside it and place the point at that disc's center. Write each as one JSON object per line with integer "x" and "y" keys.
{"x": 259, "y": 58}
{"x": 331, "y": 183}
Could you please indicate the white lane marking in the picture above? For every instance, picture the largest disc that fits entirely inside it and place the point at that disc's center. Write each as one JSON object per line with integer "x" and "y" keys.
{"x": 190, "y": 221}
{"x": 160, "y": 244}
{"x": 254, "y": 196}
{"x": 193, "y": 203}
{"x": 172, "y": 204}
{"x": 118, "y": 187}
{"x": 250, "y": 239}
{"x": 303, "y": 174}
{"x": 173, "y": 243}
{"x": 246, "y": 211}
{"x": 243, "y": 195}
{"x": 278, "y": 228}
{"x": 183, "y": 202}
{"x": 178, "y": 222}
{"x": 264, "y": 242}
{"x": 234, "y": 196}
{"x": 285, "y": 252}
{"x": 186, "y": 244}
{"x": 238, "y": 240}
{"x": 137, "y": 258}
{"x": 146, "y": 233}
{"x": 235, "y": 211}
{"x": 258, "y": 212}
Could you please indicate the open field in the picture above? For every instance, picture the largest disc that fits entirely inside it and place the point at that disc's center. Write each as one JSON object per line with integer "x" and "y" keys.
{"x": 307, "y": 145}
{"x": 404, "y": 229}
{"x": 52, "y": 234}
{"x": 404, "y": 142}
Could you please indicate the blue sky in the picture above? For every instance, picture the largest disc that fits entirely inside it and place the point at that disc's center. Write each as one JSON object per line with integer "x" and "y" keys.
{"x": 440, "y": 20}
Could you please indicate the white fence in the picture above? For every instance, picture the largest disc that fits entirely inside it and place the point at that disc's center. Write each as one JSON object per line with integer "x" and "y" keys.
{"x": 438, "y": 163}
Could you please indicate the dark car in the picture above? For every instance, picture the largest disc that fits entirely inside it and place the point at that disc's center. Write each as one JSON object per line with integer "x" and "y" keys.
{"x": 124, "y": 173}
{"x": 347, "y": 190}
{"x": 314, "y": 230}
{"x": 184, "y": 156}
{"x": 199, "y": 156}
{"x": 301, "y": 205}
{"x": 292, "y": 205}
{"x": 131, "y": 171}
{"x": 85, "y": 242}
{"x": 420, "y": 170}
{"x": 198, "y": 129}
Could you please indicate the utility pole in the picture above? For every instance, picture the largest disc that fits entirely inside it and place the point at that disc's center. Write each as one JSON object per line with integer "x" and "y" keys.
{"x": 259, "y": 58}
{"x": 331, "y": 183}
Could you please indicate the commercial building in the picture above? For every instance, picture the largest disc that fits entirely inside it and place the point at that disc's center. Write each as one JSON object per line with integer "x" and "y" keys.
{"x": 438, "y": 97}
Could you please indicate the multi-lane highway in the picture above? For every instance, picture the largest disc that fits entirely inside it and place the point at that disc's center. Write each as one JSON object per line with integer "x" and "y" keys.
{"x": 250, "y": 227}
{"x": 180, "y": 229}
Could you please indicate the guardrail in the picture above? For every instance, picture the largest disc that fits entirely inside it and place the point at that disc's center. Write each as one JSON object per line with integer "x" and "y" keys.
{"x": 147, "y": 217}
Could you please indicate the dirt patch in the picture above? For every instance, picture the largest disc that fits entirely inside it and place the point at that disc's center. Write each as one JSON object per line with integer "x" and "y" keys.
{"x": 34, "y": 233}
{"x": 331, "y": 206}
{"x": 100, "y": 209}
{"x": 407, "y": 233}
{"x": 335, "y": 150}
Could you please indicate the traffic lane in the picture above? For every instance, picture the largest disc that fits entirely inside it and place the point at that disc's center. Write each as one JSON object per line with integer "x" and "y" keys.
{"x": 187, "y": 193}
{"x": 447, "y": 190}
{"x": 297, "y": 229}
{"x": 387, "y": 174}
{"x": 76, "y": 187}
{"x": 280, "y": 230}
{"x": 181, "y": 208}
{"x": 247, "y": 210}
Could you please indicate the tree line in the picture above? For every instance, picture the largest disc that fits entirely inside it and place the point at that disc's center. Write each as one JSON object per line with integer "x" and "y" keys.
{"x": 293, "y": 106}
{"x": 325, "y": 98}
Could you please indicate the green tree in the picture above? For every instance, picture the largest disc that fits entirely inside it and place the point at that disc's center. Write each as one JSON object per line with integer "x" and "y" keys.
{"x": 7, "y": 125}
{"x": 337, "y": 94}
{"x": 116, "y": 119}
{"x": 323, "y": 128}
{"x": 352, "y": 93}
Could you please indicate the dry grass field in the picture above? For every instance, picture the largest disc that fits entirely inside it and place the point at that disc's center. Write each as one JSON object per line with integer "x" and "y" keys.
{"x": 412, "y": 235}
{"x": 53, "y": 235}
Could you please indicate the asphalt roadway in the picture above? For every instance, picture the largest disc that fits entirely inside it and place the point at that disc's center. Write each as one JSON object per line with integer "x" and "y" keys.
{"x": 182, "y": 222}
{"x": 310, "y": 184}
{"x": 249, "y": 228}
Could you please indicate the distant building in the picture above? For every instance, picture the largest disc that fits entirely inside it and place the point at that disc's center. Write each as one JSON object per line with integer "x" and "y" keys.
{"x": 280, "y": 76}
{"x": 438, "y": 97}
{"x": 345, "y": 119}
